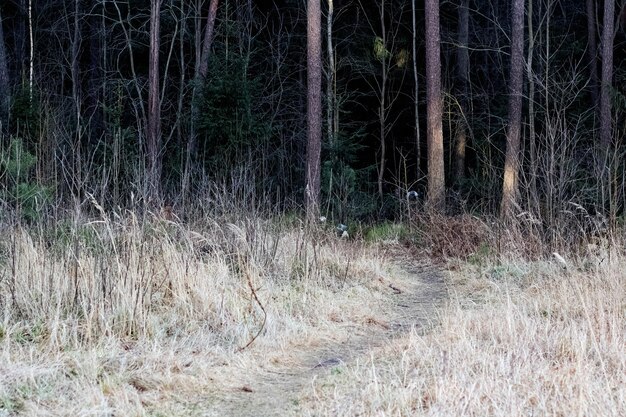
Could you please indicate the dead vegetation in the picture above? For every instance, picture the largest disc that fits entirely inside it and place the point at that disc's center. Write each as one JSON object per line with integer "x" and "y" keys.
{"x": 119, "y": 314}
{"x": 518, "y": 338}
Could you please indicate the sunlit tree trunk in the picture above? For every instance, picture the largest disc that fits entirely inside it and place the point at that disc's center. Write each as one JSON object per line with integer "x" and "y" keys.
{"x": 314, "y": 107}
{"x": 510, "y": 184}
{"x": 434, "y": 108}
{"x": 330, "y": 77}
{"x": 154, "y": 105}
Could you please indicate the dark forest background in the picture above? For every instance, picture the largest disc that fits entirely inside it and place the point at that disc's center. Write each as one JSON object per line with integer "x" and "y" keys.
{"x": 75, "y": 89}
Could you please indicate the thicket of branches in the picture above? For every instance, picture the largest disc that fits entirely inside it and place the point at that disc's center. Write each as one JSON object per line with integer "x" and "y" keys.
{"x": 79, "y": 91}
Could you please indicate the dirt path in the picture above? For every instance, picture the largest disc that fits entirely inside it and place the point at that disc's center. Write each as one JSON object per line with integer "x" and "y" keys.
{"x": 415, "y": 291}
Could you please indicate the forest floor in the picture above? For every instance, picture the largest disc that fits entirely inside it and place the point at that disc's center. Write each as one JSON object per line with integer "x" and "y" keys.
{"x": 275, "y": 386}
{"x": 217, "y": 319}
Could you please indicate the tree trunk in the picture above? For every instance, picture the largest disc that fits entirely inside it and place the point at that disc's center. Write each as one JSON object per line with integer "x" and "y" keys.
{"x": 76, "y": 40}
{"x": 4, "y": 83}
{"x": 603, "y": 165}
{"x": 510, "y": 184}
{"x": 154, "y": 105}
{"x": 592, "y": 50}
{"x": 314, "y": 108}
{"x": 418, "y": 139}
{"x": 382, "y": 114}
{"x": 462, "y": 90}
{"x": 434, "y": 108}
{"x": 31, "y": 57}
{"x": 202, "y": 68}
{"x": 607, "y": 74}
{"x": 330, "y": 77}
{"x": 533, "y": 197}
{"x": 208, "y": 40}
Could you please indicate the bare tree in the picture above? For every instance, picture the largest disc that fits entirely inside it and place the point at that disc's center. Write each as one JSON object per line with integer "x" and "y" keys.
{"x": 203, "y": 50}
{"x": 380, "y": 76}
{"x": 153, "y": 132}
{"x": 384, "y": 58}
{"x": 434, "y": 110}
{"x": 94, "y": 111}
{"x": 76, "y": 41}
{"x": 510, "y": 184}
{"x": 31, "y": 59}
{"x": 462, "y": 70}
{"x": 314, "y": 107}
{"x": 4, "y": 82}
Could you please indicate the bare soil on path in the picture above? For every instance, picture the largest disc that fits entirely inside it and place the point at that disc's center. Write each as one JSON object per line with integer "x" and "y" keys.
{"x": 415, "y": 290}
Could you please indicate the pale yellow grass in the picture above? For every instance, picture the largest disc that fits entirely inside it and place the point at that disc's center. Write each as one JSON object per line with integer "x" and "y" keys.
{"x": 118, "y": 316}
{"x": 518, "y": 339}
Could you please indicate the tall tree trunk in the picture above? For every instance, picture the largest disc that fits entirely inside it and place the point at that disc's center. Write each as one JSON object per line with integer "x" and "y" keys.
{"x": 314, "y": 107}
{"x": 533, "y": 198}
{"x": 416, "y": 113}
{"x": 510, "y": 184}
{"x": 382, "y": 113}
{"x": 330, "y": 94}
{"x": 603, "y": 167}
{"x": 330, "y": 77}
{"x": 592, "y": 49}
{"x": 154, "y": 105}
{"x": 5, "y": 92}
{"x": 31, "y": 57}
{"x": 434, "y": 110}
{"x": 207, "y": 41}
{"x": 462, "y": 90}
{"x": 607, "y": 73}
{"x": 201, "y": 70}
{"x": 76, "y": 40}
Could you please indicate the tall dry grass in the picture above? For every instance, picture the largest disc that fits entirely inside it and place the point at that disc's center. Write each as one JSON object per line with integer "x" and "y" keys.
{"x": 518, "y": 338}
{"x": 117, "y": 313}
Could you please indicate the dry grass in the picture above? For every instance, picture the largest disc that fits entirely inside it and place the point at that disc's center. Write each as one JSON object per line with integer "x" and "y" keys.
{"x": 517, "y": 339}
{"x": 118, "y": 315}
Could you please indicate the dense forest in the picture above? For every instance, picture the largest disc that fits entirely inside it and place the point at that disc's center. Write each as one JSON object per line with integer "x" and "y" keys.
{"x": 346, "y": 106}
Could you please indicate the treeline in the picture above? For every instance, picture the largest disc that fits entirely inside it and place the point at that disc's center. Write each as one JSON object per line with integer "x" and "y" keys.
{"x": 154, "y": 102}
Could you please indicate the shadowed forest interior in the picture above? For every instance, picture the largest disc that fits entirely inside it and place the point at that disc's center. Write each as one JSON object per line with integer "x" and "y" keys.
{"x": 139, "y": 103}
